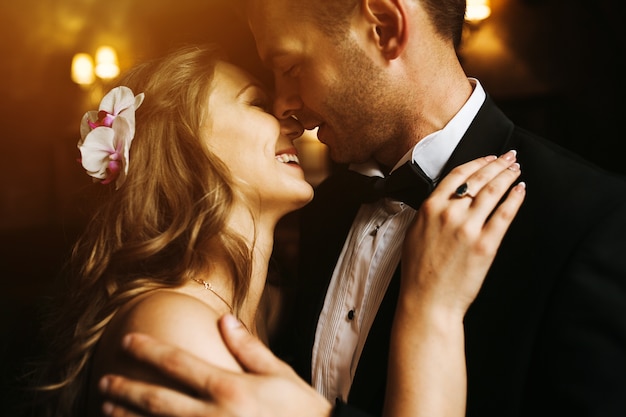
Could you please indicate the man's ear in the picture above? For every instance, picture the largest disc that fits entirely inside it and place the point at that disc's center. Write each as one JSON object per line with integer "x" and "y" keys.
{"x": 388, "y": 19}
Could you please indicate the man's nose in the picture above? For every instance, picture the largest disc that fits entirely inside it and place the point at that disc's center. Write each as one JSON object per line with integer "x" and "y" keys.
{"x": 287, "y": 101}
{"x": 291, "y": 128}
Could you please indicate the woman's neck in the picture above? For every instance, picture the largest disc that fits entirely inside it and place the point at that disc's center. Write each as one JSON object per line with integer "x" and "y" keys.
{"x": 261, "y": 252}
{"x": 259, "y": 235}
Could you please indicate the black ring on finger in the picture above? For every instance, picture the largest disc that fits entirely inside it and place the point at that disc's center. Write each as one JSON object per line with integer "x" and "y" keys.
{"x": 462, "y": 191}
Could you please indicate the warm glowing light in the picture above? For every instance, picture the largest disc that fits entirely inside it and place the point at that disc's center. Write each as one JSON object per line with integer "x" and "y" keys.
{"x": 477, "y": 10}
{"x": 313, "y": 156}
{"x": 106, "y": 63}
{"x": 84, "y": 72}
{"x": 82, "y": 69}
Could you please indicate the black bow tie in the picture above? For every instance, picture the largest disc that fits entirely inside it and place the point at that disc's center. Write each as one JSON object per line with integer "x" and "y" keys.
{"x": 408, "y": 184}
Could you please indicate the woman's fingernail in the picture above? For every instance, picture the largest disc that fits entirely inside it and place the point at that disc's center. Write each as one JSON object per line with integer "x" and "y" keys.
{"x": 107, "y": 408}
{"x": 490, "y": 158}
{"x": 520, "y": 187}
{"x": 510, "y": 155}
{"x": 515, "y": 167}
{"x": 231, "y": 321}
{"x": 126, "y": 341}
{"x": 103, "y": 384}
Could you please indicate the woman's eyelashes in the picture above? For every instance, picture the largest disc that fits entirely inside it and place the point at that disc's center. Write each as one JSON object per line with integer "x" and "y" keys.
{"x": 262, "y": 103}
{"x": 258, "y": 98}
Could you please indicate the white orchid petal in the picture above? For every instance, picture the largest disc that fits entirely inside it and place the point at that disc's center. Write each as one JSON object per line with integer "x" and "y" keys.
{"x": 97, "y": 145}
{"x": 126, "y": 131}
{"x": 90, "y": 116}
{"x": 124, "y": 134}
{"x": 84, "y": 128}
{"x": 108, "y": 101}
{"x": 138, "y": 100}
{"x": 118, "y": 99}
{"x": 129, "y": 113}
{"x": 96, "y": 149}
{"x": 128, "y": 119}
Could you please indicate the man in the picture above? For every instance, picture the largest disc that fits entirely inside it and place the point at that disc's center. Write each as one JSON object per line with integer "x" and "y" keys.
{"x": 381, "y": 81}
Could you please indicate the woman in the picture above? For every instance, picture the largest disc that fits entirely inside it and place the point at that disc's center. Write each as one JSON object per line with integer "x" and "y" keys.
{"x": 186, "y": 235}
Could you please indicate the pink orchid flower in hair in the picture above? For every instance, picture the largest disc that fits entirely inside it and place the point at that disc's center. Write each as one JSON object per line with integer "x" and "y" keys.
{"x": 106, "y": 136}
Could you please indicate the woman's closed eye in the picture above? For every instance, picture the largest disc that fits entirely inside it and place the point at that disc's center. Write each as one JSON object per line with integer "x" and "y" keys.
{"x": 262, "y": 103}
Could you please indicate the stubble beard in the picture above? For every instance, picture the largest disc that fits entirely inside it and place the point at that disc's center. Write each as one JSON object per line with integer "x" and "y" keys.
{"x": 364, "y": 112}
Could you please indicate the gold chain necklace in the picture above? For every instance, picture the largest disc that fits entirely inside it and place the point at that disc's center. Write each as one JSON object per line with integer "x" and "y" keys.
{"x": 208, "y": 286}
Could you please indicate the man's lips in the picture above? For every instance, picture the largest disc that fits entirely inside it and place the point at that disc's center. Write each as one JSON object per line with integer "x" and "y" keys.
{"x": 312, "y": 126}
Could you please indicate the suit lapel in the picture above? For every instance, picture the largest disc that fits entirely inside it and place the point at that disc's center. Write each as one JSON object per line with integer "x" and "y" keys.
{"x": 368, "y": 388}
{"x": 325, "y": 226}
{"x": 489, "y": 134}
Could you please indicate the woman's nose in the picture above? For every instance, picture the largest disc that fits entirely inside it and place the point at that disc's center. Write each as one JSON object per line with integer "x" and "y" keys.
{"x": 291, "y": 128}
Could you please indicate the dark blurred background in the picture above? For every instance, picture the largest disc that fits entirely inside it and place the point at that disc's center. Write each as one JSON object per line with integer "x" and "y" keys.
{"x": 555, "y": 66}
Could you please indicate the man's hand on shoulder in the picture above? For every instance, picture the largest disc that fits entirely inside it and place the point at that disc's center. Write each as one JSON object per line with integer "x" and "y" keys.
{"x": 267, "y": 388}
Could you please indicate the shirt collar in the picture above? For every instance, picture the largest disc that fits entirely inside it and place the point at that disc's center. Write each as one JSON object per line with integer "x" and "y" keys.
{"x": 433, "y": 151}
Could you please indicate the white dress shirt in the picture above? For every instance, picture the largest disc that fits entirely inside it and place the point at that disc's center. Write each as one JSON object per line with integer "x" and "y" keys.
{"x": 369, "y": 258}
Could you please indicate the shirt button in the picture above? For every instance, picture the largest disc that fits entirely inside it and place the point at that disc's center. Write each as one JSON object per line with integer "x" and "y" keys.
{"x": 351, "y": 315}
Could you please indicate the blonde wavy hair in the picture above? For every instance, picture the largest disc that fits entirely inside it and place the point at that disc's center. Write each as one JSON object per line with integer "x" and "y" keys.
{"x": 156, "y": 230}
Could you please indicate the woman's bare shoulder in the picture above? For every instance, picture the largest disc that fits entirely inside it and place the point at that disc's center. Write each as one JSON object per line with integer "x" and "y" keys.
{"x": 173, "y": 317}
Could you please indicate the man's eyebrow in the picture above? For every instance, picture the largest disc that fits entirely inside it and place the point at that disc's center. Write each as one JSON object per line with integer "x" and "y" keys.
{"x": 270, "y": 58}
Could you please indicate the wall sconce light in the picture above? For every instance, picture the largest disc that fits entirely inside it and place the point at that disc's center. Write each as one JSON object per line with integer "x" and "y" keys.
{"x": 477, "y": 10}
{"x": 105, "y": 66}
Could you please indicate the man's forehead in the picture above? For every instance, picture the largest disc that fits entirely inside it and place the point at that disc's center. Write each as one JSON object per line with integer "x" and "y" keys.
{"x": 276, "y": 54}
{"x": 265, "y": 14}
{"x": 276, "y": 32}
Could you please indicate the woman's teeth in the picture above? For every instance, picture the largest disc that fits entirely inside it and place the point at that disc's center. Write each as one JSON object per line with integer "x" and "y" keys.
{"x": 287, "y": 158}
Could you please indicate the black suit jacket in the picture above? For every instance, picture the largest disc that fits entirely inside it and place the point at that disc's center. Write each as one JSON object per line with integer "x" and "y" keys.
{"x": 546, "y": 335}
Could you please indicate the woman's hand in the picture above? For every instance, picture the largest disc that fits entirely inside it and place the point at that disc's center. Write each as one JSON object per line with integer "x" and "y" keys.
{"x": 452, "y": 242}
{"x": 447, "y": 253}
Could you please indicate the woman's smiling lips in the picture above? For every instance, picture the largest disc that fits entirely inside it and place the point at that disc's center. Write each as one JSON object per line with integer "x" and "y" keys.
{"x": 288, "y": 156}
